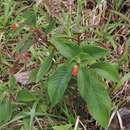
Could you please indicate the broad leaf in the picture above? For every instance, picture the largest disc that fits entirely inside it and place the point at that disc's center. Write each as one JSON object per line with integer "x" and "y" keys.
{"x": 33, "y": 75}
{"x": 42, "y": 107}
{"x": 94, "y": 51}
{"x": 44, "y": 68}
{"x": 5, "y": 111}
{"x": 30, "y": 18}
{"x": 66, "y": 47}
{"x": 85, "y": 57}
{"x": 12, "y": 82}
{"x": 58, "y": 82}
{"x": 106, "y": 70}
{"x": 25, "y": 96}
{"x": 93, "y": 92}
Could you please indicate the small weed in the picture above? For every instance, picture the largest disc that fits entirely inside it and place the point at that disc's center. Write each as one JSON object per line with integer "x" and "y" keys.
{"x": 61, "y": 63}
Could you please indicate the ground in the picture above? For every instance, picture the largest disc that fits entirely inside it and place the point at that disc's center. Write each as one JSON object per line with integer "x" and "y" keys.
{"x": 30, "y": 54}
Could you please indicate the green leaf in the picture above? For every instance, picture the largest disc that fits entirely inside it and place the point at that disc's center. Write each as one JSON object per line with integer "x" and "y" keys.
{"x": 65, "y": 46}
{"x": 85, "y": 57}
{"x": 33, "y": 75}
{"x": 50, "y": 26}
{"x": 93, "y": 92}
{"x": 12, "y": 82}
{"x": 26, "y": 126}
{"x": 30, "y": 17}
{"x": 42, "y": 107}
{"x": 2, "y": 88}
{"x": 63, "y": 127}
{"x": 44, "y": 68}
{"x": 5, "y": 111}
{"x": 58, "y": 82}
{"x": 25, "y": 96}
{"x": 25, "y": 44}
{"x": 94, "y": 51}
{"x": 107, "y": 70}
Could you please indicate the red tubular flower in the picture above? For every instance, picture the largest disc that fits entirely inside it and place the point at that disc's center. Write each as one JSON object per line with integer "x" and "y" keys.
{"x": 13, "y": 26}
{"x": 75, "y": 71}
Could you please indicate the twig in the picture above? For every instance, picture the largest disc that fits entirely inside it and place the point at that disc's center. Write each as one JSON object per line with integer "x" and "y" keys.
{"x": 82, "y": 125}
{"x": 111, "y": 118}
{"x": 38, "y": 2}
{"x": 38, "y": 123}
{"x": 76, "y": 124}
{"x": 120, "y": 120}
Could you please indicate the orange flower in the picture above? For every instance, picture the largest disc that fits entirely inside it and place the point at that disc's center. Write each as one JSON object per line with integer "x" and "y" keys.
{"x": 75, "y": 70}
{"x": 13, "y": 26}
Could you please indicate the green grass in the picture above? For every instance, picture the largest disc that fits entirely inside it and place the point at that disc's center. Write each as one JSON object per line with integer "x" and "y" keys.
{"x": 24, "y": 100}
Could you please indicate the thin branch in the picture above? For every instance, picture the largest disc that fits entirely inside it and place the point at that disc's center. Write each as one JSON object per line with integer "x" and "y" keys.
{"x": 82, "y": 125}
{"x": 120, "y": 120}
{"x": 76, "y": 123}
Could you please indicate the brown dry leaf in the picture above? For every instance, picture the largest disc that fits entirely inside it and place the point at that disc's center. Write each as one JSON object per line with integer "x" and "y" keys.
{"x": 15, "y": 68}
{"x": 24, "y": 57}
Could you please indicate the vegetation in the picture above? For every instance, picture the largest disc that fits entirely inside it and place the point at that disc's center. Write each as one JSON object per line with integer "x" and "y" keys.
{"x": 63, "y": 64}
